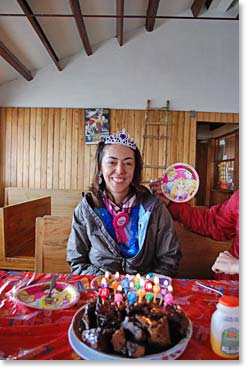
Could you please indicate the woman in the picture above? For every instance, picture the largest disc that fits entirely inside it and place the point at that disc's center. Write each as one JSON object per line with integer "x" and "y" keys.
{"x": 119, "y": 225}
{"x": 220, "y": 222}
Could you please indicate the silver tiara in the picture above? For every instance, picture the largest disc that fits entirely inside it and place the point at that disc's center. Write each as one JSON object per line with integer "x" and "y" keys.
{"x": 121, "y": 138}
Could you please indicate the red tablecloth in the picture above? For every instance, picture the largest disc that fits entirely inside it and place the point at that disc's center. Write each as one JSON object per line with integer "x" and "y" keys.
{"x": 33, "y": 334}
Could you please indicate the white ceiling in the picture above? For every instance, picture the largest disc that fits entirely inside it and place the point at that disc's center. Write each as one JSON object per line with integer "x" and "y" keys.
{"x": 18, "y": 35}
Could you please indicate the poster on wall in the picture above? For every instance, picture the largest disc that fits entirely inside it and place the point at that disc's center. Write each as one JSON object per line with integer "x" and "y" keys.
{"x": 96, "y": 124}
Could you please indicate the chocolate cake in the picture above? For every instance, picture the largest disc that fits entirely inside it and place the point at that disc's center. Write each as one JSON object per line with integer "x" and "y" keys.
{"x": 131, "y": 331}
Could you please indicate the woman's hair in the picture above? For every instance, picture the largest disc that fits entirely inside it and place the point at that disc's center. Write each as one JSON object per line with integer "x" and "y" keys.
{"x": 98, "y": 187}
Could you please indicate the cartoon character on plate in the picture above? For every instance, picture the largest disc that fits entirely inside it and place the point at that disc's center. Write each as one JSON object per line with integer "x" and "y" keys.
{"x": 180, "y": 190}
{"x": 171, "y": 174}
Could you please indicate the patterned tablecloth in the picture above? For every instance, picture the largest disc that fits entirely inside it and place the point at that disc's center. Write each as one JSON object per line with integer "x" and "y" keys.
{"x": 32, "y": 334}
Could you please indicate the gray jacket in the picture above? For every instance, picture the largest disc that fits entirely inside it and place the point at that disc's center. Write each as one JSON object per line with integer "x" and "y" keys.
{"x": 92, "y": 251}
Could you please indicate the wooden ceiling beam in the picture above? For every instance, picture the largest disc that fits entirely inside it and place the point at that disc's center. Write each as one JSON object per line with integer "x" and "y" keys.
{"x": 196, "y": 7}
{"x": 38, "y": 29}
{"x": 14, "y": 62}
{"x": 151, "y": 14}
{"x": 120, "y": 21}
{"x": 81, "y": 25}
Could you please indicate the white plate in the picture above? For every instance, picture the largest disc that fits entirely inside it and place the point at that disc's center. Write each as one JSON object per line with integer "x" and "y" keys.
{"x": 65, "y": 295}
{"x": 85, "y": 352}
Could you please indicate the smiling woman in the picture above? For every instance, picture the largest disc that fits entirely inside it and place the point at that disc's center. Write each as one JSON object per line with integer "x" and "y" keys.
{"x": 119, "y": 226}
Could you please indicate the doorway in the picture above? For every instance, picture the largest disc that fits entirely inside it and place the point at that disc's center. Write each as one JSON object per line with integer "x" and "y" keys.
{"x": 207, "y": 132}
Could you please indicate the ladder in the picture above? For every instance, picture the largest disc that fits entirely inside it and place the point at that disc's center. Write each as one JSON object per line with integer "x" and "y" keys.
{"x": 155, "y": 138}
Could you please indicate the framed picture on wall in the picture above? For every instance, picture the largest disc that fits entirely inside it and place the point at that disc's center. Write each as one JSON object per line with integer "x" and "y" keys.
{"x": 96, "y": 124}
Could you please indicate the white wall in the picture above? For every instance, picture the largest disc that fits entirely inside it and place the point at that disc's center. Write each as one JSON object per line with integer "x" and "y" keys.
{"x": 194, "y": 64}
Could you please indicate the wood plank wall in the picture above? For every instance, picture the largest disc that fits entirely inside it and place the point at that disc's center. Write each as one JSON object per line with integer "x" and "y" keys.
{"x": 45, "y": 147}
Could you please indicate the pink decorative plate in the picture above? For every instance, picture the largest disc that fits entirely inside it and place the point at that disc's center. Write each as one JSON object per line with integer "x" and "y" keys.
{"x": 64, "y": 296}
{"x": 180, "y": 182}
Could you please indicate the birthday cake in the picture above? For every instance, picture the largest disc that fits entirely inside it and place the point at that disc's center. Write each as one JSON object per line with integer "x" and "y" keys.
{"x": 130, "y": 329}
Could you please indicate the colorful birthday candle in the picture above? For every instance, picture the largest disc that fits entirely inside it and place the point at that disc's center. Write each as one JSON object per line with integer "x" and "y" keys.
{"x": 125, "y": 284}
{"x": 141, "y": 293}
{"x": 103, "y": 293}
{"x": 115, "y": 285}
{"x": 156, "y": 287}
{"x": 118, "y": 298}
{"x": 149, "y": 296}
{"x": 132, "y": 297}
{"x": 137, "y": 281}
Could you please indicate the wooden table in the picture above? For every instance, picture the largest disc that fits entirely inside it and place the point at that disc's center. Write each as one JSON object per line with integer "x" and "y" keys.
{"x": 32, "y": 334}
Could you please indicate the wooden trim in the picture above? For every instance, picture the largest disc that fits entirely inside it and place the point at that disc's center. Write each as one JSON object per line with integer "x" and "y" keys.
{"x": 81, "y": 25}
{"x": 38, "y": 29}
{"x": 14, "y": 62}
{"x": 151, "y": 14}
{"x": 119, "y": 21}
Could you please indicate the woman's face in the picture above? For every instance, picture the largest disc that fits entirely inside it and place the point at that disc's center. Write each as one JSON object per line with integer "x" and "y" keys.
{"x": 118, "y": 165}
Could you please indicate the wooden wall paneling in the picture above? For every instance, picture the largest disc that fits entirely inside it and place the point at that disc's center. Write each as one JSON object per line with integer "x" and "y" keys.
{"x": 32, "y": 147}
{"x": 174, "y": 136}
{"x": 2, "y": 235}
{"x": 159, "y": 146}
{"x": 44, "y": 148}
{"x": 112, "y": 123}
{"x": 131, "y": 123}
{"x": 26, "y": 147}
{"x": 62, "y": 149}
{"x": 50, "y": 147}
{"x": 39, "y": 117}
{"x": 180, "y": 138}
{"x": 68, "y": 164}
{"x": 81, "y": 148}
{"x": 56, "y": 148}
{"x": 192, "y": 152}
{"x": 157, "y": 154}
{"x": 20, "y": 146}
{"x": 13, "y": 172}
{"x": 8, "y": 141}
{"x": 74, "y": 149}
{"x": 148, "y": 148}
{"x": 2, "y": 152}
{"x": 169, "y": 140}
{"x": 138, "y": 128}
{"x": 187, "y": 125}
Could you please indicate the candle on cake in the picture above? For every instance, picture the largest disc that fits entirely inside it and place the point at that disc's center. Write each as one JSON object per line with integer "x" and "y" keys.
{"x": 156, "y": 287}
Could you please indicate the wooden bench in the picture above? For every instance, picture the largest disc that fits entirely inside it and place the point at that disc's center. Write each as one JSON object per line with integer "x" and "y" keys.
{"x": 52, "y": 234}
{"x": 199, "y": 252}
{"x": 17, "y": 233}
{"x": 63, "y": 202}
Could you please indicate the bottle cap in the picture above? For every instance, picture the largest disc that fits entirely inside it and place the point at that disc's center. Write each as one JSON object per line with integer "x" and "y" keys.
{"x": 229, "y": 301}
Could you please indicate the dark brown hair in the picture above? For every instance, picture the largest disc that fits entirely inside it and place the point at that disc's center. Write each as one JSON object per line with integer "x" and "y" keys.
{"x": 139, "y": 190}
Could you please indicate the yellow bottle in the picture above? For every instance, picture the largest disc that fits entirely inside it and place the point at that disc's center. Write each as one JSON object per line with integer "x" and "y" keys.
{"x": 224, "y": 331}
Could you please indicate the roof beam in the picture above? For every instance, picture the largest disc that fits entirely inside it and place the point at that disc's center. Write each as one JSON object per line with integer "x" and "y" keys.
{"x": 14, "y": 62}
{"x": 38, "y": 29}
{"x": 81, "y": 25}
{"x": 119, "y": 20}
{"x": 151, "y": 14}
{"x": 196, "y": 7}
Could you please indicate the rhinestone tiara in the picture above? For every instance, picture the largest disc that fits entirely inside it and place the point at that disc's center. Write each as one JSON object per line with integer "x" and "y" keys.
{"x": 121, "y": 138}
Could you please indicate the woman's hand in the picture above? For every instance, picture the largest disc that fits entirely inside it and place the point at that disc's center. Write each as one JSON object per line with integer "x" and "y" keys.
{"x": 155, "y": 187}
{"x": 226, "y": 263}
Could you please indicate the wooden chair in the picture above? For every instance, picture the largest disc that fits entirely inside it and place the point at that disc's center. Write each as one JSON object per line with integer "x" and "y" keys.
{"x": 199, "y": 253}
{"x": 17, "y": 233}
{"x": 52, "y": 234}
